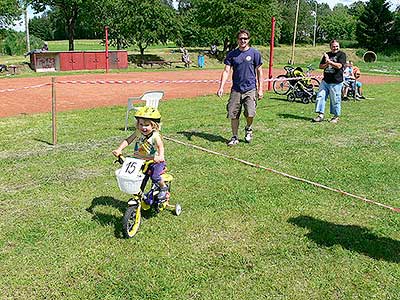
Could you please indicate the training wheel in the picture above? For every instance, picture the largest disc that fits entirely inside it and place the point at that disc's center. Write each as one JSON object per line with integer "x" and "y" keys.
{"x": 178, "y": 209}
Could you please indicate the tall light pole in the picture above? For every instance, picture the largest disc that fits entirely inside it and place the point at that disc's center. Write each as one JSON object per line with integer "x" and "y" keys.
{"x": 28, "y": 43}
{"x": 295, "y": 32}
{"x": 314, "y": 14}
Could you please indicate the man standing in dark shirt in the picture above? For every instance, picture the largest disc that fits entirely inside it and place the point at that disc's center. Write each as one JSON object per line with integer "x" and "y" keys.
{"x": 247, "y": 87}
{"x": 333, "y": 63}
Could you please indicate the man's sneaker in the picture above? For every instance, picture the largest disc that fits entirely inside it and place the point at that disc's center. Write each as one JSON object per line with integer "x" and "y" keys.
{"x": 234, "y": 141}
{"x": 334, "y": 120}
{"x": 162, "y": 195}
{"x": 318, "y": 119}
{"x": 248, "y": 134}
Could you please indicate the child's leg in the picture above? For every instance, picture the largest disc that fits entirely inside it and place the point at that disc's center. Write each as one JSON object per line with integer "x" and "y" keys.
{"x": 157, "y": 169}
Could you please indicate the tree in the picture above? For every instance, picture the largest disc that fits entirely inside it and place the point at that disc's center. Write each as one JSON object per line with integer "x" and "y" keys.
{"x": 218, "y": 21}
{"x": 375, "y": 26}
{"x": 305, "y": 21}
{"x": 42, "y": 27}
{"x": 138, "y": 22}
{"x": 69, "y": 10}
{"x": 356, "y": 9}
{"x": 10, "y": 11}
{"x": 339, "y": 24}
{"x": 395, "y": 36}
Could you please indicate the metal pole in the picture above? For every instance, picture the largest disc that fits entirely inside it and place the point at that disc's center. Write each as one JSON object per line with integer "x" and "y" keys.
{"x": 106, "y": 30}
{"x": 271, "y": 52}
{"x": 295, "y": 32}
{"x": 53, "y": 109}
{"x": 315, "y": 23}
{"x": 28, "y": 43}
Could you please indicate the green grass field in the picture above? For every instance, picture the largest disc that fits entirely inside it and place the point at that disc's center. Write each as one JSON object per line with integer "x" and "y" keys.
{"x": 244, "y": 233}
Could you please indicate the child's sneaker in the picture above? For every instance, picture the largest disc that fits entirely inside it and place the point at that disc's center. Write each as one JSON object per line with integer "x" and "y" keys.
{"x": 248, "y": 134}
{"x": 234, "y": 141}
{"x": 162, "y": 195}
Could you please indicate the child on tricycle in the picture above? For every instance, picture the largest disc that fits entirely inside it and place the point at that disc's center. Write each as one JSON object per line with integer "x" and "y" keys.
{"x": 148, "y": 145}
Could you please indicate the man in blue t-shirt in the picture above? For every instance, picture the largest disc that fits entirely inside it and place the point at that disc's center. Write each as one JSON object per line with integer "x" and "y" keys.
{"x": 247, "y": 85}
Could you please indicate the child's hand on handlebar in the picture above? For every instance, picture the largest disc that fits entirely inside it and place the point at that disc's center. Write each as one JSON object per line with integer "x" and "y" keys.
{"x": 116, "y": 152}
{"x": 158, "y": 158}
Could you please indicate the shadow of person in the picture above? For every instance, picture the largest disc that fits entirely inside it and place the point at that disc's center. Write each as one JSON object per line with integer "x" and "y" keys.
{"x": 278, "y": 98}
{"x": 207, "y": 136}
{"x": 290, "y": 116}
{"x": 350, "y": 237}
{"x": 108, "y": 219}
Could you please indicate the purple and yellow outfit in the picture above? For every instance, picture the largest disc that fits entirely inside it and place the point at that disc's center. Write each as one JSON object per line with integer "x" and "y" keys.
{"x": 145, "y": 147}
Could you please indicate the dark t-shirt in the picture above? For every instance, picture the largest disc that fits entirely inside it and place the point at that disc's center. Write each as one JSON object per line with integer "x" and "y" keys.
{"x": 331, "y": 74}
{"x": 244, "y": 64}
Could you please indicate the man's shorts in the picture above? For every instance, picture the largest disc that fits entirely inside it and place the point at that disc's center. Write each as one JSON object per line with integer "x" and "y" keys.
{"x": 246, "y": 99}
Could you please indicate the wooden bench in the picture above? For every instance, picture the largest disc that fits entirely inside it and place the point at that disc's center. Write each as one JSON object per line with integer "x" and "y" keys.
{"x": 160, "y": 63}
{"x": 178, "y": 62}
{"x": 13, "y": 68}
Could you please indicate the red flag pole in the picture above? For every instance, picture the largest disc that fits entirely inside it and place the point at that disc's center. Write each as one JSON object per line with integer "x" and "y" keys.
{"x": 271, "y": 52}
{"x": 106, "y": 30}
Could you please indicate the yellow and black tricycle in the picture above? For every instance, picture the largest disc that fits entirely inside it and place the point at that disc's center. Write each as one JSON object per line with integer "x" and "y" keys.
{"x": 132, "y": 179}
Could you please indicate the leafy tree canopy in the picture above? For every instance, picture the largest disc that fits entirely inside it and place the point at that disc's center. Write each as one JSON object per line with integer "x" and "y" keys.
{"x": 10, "y": 11}
{"x": 375, "y": 25}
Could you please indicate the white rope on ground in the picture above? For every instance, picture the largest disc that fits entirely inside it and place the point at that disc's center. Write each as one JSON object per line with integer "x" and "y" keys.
{"x": 25, "y": 87}
{"x": 395, "y": 209}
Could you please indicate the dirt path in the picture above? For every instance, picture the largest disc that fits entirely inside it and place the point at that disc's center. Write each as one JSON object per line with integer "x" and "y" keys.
{"x": 85, "y": 95}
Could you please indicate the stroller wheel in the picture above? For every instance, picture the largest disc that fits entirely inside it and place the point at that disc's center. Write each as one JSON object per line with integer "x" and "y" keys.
{"x": 291, "y": 97}
{"x": 314, "y": 98}
{"x": 305, "y": 100}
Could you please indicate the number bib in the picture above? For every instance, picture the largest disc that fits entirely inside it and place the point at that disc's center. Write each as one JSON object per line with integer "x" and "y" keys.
{"x": 131, "y": 167}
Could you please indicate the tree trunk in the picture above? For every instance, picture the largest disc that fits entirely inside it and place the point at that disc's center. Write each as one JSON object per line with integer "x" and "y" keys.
{"x": 71, "y": 22}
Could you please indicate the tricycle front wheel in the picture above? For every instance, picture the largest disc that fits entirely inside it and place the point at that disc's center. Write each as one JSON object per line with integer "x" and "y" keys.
{"x": 131, "y": 221}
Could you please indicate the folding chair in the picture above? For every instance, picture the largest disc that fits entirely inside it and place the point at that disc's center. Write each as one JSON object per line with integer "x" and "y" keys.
{"x": 152, "y": 99}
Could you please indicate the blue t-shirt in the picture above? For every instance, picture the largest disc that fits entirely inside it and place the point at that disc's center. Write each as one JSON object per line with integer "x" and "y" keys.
{"x": 244, "y": 64}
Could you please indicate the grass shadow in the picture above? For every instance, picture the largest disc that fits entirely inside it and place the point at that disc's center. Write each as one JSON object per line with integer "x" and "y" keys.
{"x": 291, "y": 116}
{"x": 279, "y": 98}
{"x": 137, "y": 58}
{"x": 207, "y": 136}
{"x": 43, "y": 141}
{"x": 350, "y": 237}
{"x": 106, "y": 219}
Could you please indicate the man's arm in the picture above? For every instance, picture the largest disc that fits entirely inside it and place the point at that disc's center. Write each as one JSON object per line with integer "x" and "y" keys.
{"x": 224, "y": 78}
{"x": 260, "y": 79}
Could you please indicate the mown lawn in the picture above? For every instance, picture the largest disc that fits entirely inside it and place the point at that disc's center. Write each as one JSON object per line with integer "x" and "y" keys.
{"x": 304, "y": 56}
{"x": 244, "y": 233}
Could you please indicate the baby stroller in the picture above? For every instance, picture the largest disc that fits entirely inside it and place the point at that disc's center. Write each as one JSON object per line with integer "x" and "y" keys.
{"x": 304, "y": 88}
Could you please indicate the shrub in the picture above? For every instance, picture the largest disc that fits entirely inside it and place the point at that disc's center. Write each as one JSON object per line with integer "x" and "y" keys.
{"x": 360, "y": 52}
{"x": 14, "y": 43}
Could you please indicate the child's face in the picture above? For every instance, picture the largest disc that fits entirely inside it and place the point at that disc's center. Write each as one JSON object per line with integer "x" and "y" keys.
{"x": 144, "y": 126}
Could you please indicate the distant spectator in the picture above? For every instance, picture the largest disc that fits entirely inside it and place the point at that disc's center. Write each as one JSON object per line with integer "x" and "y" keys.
{"x": 3, "y": 68}
{"x": 45, "y": 47}
{"x": 351, "y": 74}
{"x": 213, "y": 49}
{"x": 185, "y": 57}
{"x": 357, "y": 75}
